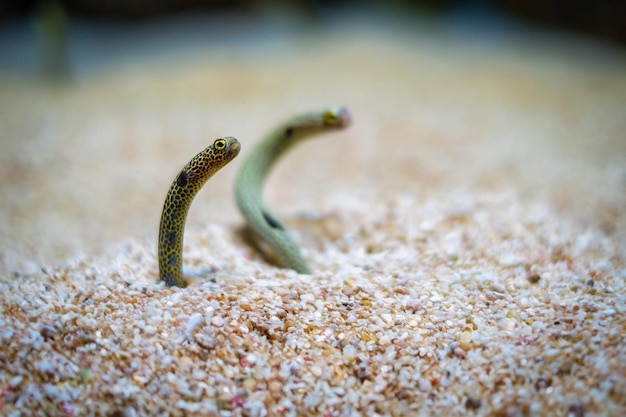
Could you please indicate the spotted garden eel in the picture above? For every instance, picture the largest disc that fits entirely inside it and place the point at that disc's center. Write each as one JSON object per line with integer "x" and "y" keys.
{"x": 251, "y": 177}
{"x": 179, "y": 197}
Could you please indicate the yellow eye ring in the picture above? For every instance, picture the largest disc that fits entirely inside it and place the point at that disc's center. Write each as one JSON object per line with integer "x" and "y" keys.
{"x": 219, "y": 144}
{"x": 331, "y": 117}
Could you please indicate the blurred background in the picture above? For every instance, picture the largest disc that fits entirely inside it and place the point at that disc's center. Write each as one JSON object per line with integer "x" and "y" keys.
{"x": 103, "y": 101}
{"x": 59, "y": 37}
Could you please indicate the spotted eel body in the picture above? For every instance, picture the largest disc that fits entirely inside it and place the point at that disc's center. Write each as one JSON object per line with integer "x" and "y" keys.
{"x": 251, "y": 177}
{"x": 179, "y": 197}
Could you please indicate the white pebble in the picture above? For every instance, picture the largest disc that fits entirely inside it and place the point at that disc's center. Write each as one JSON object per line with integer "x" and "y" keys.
{"x": 15, "y": 381}
{"x": 349, "y": 352}
{"x": 193, "y": 322}
{"x": 217, "y": 321}
{"x": 424, "y": 385}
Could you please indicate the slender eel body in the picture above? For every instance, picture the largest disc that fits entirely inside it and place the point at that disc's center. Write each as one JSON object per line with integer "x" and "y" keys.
{"x": 179, "y": 198}
{"x": 252, "y": 175}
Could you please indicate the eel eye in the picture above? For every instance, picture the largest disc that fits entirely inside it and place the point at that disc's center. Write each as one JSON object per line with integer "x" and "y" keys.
{"x": 331, "y": 117}
{"x": 219, "y": 144}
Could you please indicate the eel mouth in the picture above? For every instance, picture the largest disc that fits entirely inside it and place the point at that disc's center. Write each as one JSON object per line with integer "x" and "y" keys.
{"x": 234, "y": 147}
{"x": 343, "y": 117}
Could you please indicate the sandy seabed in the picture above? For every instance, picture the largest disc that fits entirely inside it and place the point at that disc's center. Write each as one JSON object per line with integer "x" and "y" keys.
{"x": 467, "y": 233}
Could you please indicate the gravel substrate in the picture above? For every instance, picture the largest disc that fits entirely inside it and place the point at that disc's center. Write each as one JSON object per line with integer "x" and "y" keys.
{"x": 494, "y": 308}
{"x": 467, "y": 234}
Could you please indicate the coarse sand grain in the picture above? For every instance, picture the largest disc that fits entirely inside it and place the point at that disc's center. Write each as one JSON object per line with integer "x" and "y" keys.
{"x": 466, "y": 235}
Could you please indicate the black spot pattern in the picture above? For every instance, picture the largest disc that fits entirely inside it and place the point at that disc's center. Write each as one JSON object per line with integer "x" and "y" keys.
{"x": 170, "y": 237}
{"x": 177, "y": 202}
{"x": 182, "y": 179}
{"x": 271, "y": 220}
{"x": 251, "y": 178}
